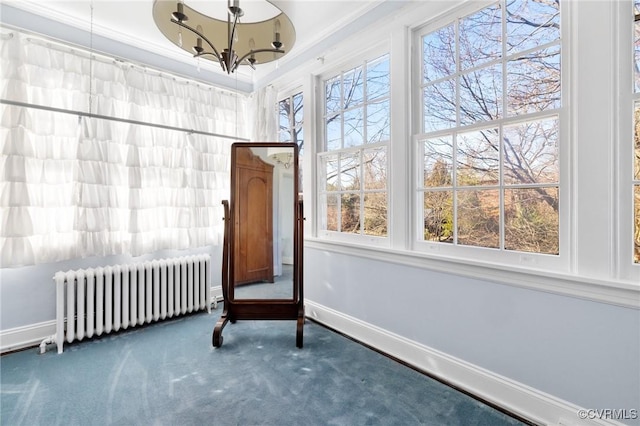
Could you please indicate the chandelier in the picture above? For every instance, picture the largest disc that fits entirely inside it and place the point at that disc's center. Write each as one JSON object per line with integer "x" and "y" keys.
{"x": 231, "y": 42}
{"x": 281, "y": 156}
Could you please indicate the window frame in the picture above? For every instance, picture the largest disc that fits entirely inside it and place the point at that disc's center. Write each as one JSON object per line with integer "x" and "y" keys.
{"x": 290, "y": 94}
{"x": 560, "y": 262}
{"x": 626, "y": 269}
{"x": 367, "y": 56}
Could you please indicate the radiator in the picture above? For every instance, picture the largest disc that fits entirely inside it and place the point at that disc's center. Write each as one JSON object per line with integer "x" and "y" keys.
{"x": 96, "y": 301}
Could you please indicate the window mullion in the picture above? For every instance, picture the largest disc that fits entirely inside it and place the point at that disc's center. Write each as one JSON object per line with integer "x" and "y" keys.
{"x": 501, "y": 186}
{"x": 361, "y": 189}
{"x": 454, "y": 140}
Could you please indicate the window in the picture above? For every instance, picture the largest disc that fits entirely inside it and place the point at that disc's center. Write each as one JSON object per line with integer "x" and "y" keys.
{"x": 636, "y": 142}
{"x": 489, "y": 130}
{"x": 353, "y": 165}
{"x": 290, "y": 119}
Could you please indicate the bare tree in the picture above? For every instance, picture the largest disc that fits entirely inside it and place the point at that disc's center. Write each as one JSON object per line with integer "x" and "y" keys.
{"x": 636, "y": 234}
{"x": 526, "y": 156}
{"x": 361, "y": 173}
{"x": 290, "y": 111}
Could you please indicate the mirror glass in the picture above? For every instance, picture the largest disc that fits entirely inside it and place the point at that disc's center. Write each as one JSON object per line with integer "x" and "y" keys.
{"x": 264, "y": 185}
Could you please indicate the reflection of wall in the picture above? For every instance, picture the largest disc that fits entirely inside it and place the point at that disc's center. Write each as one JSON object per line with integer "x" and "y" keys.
{"x": 283, "y": 209}
{"x": 286, "y": 218}
{"x": 283, "y": 218}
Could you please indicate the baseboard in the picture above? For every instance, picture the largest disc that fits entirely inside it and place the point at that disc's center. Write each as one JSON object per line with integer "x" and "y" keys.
{"x": 32, "y": 335}
{"x": 517, "y": 398}
{"x": 216, "y": 293}
{"x": 27, "y": 336}
{"x": 287, "y": 260}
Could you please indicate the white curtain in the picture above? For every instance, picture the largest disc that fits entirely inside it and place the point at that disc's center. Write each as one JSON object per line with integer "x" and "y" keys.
{"x": 75, "y": 187}
{"x": 263, "y": 115}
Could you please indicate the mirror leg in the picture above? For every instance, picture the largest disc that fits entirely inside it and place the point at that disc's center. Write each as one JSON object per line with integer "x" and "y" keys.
{"x": 216, "y": 339}
{"x": 299, "y": 331}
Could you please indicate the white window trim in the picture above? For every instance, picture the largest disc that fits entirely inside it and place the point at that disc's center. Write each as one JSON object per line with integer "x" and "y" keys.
{"x": 287, "y": 87}
{"x": 559, "y": 263}
{"x": 289, "y": 93}
{"x": 373, "y": 52}
{"x": 623, "y": 53}
{"x": 618, "y": 292}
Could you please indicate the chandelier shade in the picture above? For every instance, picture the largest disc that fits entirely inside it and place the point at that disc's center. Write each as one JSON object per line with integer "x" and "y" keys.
{"x": 231, "y": 42}
{"x": 280, "y": 156}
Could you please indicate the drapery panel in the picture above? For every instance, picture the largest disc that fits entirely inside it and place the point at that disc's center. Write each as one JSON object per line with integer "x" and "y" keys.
{"x": 263, "y": 115}
{"x": 75, "y": 186}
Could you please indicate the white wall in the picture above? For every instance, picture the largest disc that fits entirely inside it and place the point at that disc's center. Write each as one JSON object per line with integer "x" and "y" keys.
{"x": 28, "y": 296}
{"x": 580, "y": 351}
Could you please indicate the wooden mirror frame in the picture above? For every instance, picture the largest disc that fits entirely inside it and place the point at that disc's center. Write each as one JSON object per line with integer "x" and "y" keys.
{"x": 260, "y": 309}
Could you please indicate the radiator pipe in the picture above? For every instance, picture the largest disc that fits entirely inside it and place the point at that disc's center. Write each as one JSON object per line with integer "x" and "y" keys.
{"x": 47, "y": 341}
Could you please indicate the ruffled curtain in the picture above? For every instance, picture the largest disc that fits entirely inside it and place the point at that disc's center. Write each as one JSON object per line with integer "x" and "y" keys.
{"x": 263, "y": 115}
{"x": 74, "y": 187}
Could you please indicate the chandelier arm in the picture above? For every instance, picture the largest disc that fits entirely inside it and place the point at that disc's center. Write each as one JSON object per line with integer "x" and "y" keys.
{"x": 197, "y": 55}
{"x": 199, "y": 34}
{"x": 259, "y": 51}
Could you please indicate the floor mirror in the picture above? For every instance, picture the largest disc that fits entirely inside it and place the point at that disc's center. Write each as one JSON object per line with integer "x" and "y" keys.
{"x": 262, "y": 248}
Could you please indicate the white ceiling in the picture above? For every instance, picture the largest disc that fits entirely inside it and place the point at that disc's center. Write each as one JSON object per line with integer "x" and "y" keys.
{"x": 130, "y": 22}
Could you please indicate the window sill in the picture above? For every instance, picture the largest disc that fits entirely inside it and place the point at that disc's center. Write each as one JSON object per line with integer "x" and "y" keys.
{"x": 615, "y": 292}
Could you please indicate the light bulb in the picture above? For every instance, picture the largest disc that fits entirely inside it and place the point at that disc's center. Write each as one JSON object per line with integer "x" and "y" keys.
{"x": 179, "y": 15}
{"x": 276, "y": 44}
{"x": 252, "y": 58}
{"x": 198, "y": 47}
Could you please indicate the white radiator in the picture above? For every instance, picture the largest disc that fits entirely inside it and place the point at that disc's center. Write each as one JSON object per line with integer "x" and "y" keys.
{"x": 97, "y": 301}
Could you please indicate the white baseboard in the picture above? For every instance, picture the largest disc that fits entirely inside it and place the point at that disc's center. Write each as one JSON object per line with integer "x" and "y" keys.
{"x": 520, "y": 399}
{"x": 216, "y": 292}
{"x": 33, "y": 334}
{"x": 24, "y": 337}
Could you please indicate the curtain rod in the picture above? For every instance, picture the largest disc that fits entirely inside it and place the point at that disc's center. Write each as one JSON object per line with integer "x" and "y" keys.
{"x": 122, "y": 120}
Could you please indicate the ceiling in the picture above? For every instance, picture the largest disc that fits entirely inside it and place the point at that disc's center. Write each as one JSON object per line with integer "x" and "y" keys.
{"x": 131, "y": 23}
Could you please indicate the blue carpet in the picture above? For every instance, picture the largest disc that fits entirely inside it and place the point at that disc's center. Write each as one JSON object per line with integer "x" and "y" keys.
{"x": 169, "y": 374}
